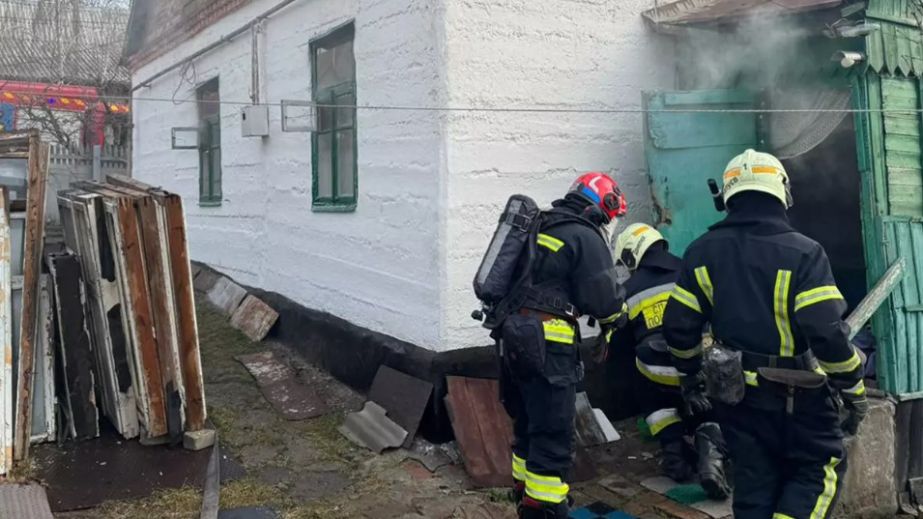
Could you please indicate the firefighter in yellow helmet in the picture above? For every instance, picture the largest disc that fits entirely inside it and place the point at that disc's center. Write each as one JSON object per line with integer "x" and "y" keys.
{"x": 644, "y": 251}
{"x": 781, "y": 353}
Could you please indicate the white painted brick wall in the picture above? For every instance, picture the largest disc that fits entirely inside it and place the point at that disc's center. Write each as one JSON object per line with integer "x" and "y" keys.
{"x": 430, "y": 184}
{"x": 377, "y": 267}
{"x": 565, "y": 53}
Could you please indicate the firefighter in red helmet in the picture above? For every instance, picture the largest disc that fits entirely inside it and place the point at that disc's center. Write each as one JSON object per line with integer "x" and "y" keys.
{"x": 572, "y": 275}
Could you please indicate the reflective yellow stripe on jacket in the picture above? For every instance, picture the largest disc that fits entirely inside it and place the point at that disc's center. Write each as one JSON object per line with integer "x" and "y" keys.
{"x": 780, "y": 309}
{"x": 549, "y": 242}
{"x": 687, "y": 298}
{"x": 650, "y": 303}
{"x": 665, "y": 375}
{"x": 704, "y": 280}
{"x": 559, "y": 330}
{"x": 816, "y": 295}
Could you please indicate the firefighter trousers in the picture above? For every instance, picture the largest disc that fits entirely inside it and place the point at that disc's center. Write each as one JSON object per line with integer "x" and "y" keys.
{"x": 787, "y": 448}
{"x": 542, "y": 408}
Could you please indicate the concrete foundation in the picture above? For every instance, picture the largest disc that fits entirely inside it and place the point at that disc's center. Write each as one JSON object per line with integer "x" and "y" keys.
{"x": 869, "y": 489}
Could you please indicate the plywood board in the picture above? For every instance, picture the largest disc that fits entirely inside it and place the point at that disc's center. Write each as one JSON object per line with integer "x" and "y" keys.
{"x": 254, "y": 317}
{"x": 35, "y": 227}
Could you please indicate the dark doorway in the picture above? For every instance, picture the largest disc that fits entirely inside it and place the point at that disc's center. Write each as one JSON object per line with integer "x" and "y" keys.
{"x": 826, "y": 189}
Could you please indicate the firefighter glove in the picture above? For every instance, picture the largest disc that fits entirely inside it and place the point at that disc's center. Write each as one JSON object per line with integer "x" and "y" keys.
{"x": 693, "y": 390}
{"x": 857, "y": 408}
{"x": 601, "y": 346}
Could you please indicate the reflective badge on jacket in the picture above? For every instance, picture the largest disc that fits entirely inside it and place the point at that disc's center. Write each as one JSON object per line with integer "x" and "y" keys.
{"x": 650, "y": 304}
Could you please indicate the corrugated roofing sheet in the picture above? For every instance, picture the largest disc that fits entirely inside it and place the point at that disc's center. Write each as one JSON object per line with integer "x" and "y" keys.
{"x": 683, "y": 12}
{"x": 24, "y": 501}
{"x": 47, "y": 42}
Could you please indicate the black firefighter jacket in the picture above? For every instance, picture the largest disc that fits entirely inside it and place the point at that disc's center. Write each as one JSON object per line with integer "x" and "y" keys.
{"x": 765, "y": 288}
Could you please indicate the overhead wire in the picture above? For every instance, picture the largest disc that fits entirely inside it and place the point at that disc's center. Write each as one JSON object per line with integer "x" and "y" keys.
{"x": 479, "y": 109}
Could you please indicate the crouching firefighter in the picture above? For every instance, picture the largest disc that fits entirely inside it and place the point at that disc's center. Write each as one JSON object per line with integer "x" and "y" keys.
{"x": 782, "y": 354}
{"x": 543, "y": 270}
{"x": 644, "y": 252}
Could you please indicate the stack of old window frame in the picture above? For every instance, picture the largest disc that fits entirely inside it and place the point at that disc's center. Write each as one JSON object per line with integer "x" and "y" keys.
{"x": 131, "y": 243}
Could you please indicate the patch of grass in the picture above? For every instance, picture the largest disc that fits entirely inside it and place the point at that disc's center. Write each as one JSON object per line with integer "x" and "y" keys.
{"x": 186, "y": 502}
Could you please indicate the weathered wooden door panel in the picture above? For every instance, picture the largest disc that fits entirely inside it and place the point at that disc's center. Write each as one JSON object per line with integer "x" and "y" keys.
{"x": 900, "y": 362}
{"x": 689, "y": 139}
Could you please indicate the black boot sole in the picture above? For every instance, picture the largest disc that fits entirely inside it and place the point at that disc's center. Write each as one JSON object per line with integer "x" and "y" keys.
{"x": 714, "y": 488}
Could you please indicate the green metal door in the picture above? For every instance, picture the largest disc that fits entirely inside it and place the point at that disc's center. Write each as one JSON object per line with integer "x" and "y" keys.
{"x": 689, "y": 138}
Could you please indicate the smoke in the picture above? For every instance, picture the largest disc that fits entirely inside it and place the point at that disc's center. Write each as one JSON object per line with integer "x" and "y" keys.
{"x": 758, "y": 52}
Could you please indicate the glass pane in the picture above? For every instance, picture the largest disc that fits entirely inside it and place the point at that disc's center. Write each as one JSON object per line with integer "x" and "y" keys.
{"x": 215, "y": 127}
{"x": 324, "y": 165}
{"x": 18, "y": 235}
{"x": 346, "y": 164}
{"x": 208, "y": 97}
{"x": 346, "y": 116}
{"x": 334, "y": 64}
{"x": 203, "y": 173}
{"x": 344, "y": 62}
{"x": 323, "y": 67}
{"x": 216, "y": 174}
{"x": 324, "y": 117}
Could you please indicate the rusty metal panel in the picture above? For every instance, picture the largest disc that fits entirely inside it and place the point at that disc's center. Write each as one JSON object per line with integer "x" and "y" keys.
{"x": 35, "y": 227}
{"x": 482, "y": 428}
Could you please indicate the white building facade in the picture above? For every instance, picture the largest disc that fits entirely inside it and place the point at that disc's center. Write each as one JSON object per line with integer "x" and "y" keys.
{"x": 382, "y": 216}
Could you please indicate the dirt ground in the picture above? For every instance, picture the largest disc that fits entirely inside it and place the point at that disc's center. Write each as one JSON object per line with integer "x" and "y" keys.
{"x": 306, "y": 469}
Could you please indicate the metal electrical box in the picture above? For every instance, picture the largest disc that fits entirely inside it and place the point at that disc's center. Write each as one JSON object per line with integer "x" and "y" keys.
{"x": 254, "y": 121}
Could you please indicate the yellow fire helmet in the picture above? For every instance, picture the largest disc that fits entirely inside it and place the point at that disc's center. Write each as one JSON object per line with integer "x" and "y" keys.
{"x": 757, "y": 171}
{"x": 633, "y": 242}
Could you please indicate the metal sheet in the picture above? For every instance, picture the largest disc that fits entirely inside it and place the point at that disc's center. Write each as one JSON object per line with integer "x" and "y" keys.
{"x": 482, "y": 428}
{"x": 372, "y": 428}
{"x": 281, "y": 387}
{"x": 254, "y": 318}
{"x": 704, "y": 11}
{"x": 25, "y": 501}
{"x": 403, "y": 397}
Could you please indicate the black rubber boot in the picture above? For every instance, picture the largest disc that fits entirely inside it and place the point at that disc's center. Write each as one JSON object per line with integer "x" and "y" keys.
{"x": 673, "y": 463}
{"x": 532, "y": 509}
{"x": 709, "y": 443}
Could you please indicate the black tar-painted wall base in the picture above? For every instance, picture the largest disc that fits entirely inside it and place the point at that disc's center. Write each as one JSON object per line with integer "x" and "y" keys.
{"x": 353, "y": 355}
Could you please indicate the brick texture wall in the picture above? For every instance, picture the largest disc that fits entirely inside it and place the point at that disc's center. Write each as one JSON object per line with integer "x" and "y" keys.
{"x": 160, "y": 25}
